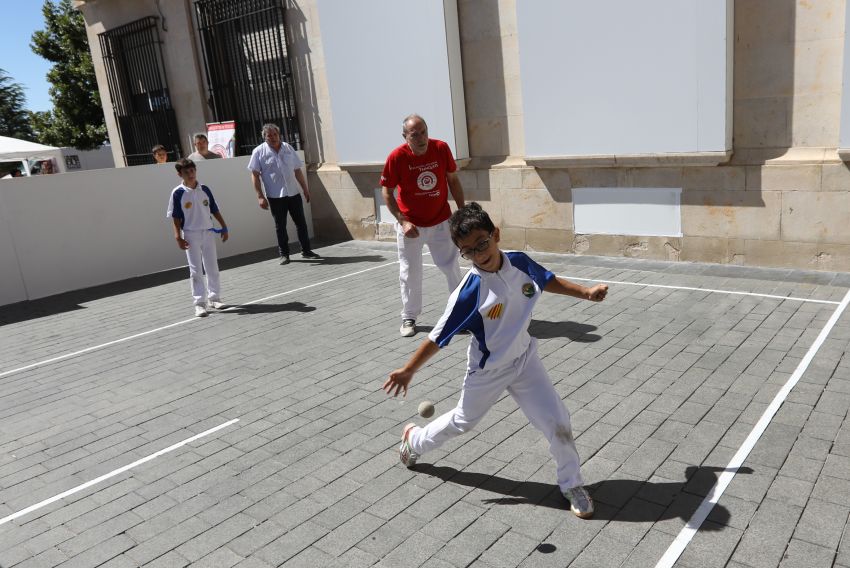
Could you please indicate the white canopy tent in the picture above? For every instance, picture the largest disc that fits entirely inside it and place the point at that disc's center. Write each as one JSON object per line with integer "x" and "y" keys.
{"x": 14, "y": 150}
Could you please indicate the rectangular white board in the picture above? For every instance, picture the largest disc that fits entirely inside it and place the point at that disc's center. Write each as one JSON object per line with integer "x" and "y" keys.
{"x": 621, "y": 77}
{"x": 386, "y": 59}
{"x": 633, "y": 211}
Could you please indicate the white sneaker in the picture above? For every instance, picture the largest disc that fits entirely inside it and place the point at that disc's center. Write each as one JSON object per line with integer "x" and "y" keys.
{"x": 581, "y": 503}
{"x": 405, "y": 452}
{"x": 216, "y": 305}
{"x": 408, "y": 328}
{"x": 201, "y": 312}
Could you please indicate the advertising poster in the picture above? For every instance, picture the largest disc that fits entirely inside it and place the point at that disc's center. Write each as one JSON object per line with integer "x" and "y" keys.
{"x": 222, "y": 138}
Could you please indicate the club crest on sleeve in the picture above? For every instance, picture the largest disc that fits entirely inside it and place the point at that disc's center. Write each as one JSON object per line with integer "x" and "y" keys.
{"x": 188, "y": 205}
{"x": 496, "y": 311}
{"x": 206, "y": 203}
{"x": 528, "y": 289}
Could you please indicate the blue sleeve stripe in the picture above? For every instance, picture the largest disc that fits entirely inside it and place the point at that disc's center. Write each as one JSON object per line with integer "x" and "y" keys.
{"x": 213, "y": 204}
{"x": 522, "y": 262}
{"x": 177, "y": 206}
{"x": 464, "y": 310}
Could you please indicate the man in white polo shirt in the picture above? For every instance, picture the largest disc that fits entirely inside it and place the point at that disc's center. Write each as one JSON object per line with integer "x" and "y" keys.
{"x": 279, "y": 167}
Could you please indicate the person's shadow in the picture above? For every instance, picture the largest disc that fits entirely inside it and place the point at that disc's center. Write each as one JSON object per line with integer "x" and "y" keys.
{"x": 573, "y": 331}
{"x": 268, "y": 308}
{"x": 579, "y": 332}
{"x": 680, "y": 499}
{"x": 334, "y": 260}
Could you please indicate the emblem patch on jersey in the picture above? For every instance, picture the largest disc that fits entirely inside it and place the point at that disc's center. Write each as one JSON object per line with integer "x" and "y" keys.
{"x": 528, "y": 290}
{"x": 188, "y": 205}
{"x": 206, "y": 203}
{"x": 426, "y": 181}
{"x": 496, "y": 311}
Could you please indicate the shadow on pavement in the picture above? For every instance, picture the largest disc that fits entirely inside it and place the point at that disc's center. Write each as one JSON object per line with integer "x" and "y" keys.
{"x": 540, "y": 329}
{"x": 72, "y": 301}
{"x": 573, "y": 331}
{"x": 623, "y": 500}
{"x": 335, "y": 260}
{"x": 268, "y": 308}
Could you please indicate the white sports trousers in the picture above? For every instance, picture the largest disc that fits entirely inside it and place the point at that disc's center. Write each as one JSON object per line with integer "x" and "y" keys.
{"x": 203, "y": 258}
{"x": 443, "y": 252}
{"x": 527, "y": 382}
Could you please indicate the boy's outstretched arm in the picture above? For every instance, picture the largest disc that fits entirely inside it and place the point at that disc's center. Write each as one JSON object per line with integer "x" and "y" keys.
{"x": 400, "y": 378}
{"x": 563, "y": 286}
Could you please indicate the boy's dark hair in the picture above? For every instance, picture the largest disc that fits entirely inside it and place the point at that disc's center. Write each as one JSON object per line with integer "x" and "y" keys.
{"x": 183, "y": 163}
{"x": 157, "y": 148}
{"x": 467, "y": 219}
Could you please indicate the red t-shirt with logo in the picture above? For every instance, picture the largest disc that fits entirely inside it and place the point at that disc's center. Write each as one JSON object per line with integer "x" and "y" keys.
{"x": 423, "y": 190}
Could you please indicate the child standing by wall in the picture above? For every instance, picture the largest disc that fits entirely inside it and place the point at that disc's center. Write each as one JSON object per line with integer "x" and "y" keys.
{"x": 191, "y": 208}
{"x": 494, "y": 302}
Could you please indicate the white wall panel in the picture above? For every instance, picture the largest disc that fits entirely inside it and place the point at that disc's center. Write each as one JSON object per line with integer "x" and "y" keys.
{"x": 844, "y": 134}
{"x": 81, "y": 229}
{"x": 385, "y": 59}
{"x": 639, "y": 211}
{"x": 620, "y": 77}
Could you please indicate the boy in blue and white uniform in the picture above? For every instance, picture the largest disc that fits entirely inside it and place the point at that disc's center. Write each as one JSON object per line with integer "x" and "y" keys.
{"x": 191, "y": 207}
{"x": 494, "y": 302}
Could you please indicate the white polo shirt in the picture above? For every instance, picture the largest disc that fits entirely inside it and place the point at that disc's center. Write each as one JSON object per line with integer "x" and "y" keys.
{"x": 194, "y": 207}
{"x": 496, "y": 308}
{"x": 277, "y": 169}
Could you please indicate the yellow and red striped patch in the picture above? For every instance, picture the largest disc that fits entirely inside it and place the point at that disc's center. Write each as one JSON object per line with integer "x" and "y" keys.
{"x": 495, "y": 311}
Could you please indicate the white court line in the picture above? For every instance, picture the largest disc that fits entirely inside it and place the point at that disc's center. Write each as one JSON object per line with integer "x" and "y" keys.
{"x": 113, "y": 473}
{"x": 705, "y": 290}
{"x": 723, "y": 480}
{"x": 670, "y": 287}
{"x": 158, "y": 329}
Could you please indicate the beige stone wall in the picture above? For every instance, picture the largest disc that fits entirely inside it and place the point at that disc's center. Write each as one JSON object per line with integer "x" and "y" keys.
{"x": 780, "y": 201}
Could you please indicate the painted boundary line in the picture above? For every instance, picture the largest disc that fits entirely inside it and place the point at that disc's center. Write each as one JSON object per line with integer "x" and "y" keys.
{"x": 158, "y": 329}
{"x": 696, "y": 520}
{"x": 669, "y": 287}
{"x": 712, "y": 290}
{"x": 113, "y": 473}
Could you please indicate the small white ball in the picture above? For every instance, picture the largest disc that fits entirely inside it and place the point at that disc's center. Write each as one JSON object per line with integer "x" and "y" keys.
{"x": 426, "y": 409}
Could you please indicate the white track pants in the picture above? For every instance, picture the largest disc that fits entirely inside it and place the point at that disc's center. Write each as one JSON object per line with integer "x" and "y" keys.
{"x": 528, "y": 383}
{"x": 443, "y": 252}
{"x": 202, "y": 258}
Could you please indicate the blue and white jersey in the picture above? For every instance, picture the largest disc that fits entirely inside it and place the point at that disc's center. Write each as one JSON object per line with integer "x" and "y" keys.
{"x": 194, "y": 207}
{"x": 496, "y": 308}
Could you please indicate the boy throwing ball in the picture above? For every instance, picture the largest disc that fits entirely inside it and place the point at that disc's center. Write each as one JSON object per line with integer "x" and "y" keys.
{"x": 494, "y": 302}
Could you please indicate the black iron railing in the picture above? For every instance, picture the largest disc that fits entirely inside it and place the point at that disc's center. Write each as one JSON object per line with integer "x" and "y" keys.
{"x": 132, "y": 55}
{"x": 247, "y": 66}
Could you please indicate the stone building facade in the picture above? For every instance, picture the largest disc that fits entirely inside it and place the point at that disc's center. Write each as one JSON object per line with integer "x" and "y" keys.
{"x": 779, "y": 197}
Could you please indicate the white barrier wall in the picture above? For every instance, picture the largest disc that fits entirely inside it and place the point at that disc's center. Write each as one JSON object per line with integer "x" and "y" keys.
{"x": 70, "y": 231}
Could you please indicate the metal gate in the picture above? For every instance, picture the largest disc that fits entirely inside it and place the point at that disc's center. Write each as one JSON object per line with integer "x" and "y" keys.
{"x": 247, "y": 66}
{"x": 138, "y": 88}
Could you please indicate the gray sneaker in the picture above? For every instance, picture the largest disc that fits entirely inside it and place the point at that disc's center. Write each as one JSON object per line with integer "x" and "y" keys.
{"x": 200, "y": 311}
{"x": 581, "y": 504}
{"x": 405, "y": 452}
{"x": 408, "y": 328}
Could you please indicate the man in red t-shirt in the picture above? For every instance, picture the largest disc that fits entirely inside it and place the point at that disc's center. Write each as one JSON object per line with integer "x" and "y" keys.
{"x": 424, "y": 171}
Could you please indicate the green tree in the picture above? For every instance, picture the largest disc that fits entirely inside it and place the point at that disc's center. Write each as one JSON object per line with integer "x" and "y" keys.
{"x": 77, "y": 117}
{"x": 14, "y": 120}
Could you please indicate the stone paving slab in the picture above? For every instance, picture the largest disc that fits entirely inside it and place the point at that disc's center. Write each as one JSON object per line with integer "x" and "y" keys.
{"x": 663, "y": 383}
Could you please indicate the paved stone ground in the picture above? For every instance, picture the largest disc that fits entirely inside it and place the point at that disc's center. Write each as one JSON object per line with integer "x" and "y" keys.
{"x": 664, "y": 385}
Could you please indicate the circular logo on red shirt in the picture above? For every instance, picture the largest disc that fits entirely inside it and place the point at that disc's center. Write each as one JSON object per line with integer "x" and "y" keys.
{"x": 426, "y": 181}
